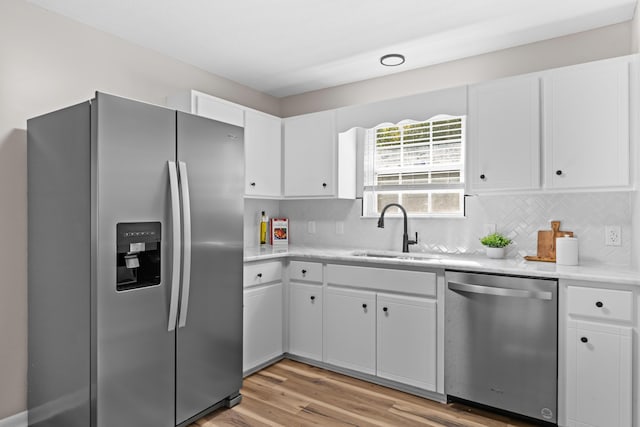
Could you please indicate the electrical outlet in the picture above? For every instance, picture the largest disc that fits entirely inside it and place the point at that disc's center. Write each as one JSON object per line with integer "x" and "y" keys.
{"x": 489, "y": 229}
{"x": 612, "y": 235}
{"x": 339, "y": 227}
{"x": 311, "y": 227}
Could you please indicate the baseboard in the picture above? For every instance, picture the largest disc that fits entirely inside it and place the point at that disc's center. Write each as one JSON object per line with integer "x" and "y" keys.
{"x": 17, "y": 420}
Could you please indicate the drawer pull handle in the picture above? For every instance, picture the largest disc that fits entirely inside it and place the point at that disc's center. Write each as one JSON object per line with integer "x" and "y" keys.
{"x": 558, "y": 172}
{"x": 259, "y": 274}
{"x": 385, "y": 309}
{"x": 304, "y": 271}
{"x": 584, "y": 339}
{"x": 324, "y": 185}
{"x": 253, "y": 184}
{"x": 482, "y": 177}
{"x": 599, "y": 304}
{"x": 364, "y": 306}
{"x": 313, "y": 297}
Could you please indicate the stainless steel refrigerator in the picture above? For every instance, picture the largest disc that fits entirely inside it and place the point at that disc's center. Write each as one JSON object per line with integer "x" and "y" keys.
{"x": 135, "y": 265}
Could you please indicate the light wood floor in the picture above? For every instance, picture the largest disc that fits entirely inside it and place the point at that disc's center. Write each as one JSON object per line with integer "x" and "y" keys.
{"x": 294, "y": 394}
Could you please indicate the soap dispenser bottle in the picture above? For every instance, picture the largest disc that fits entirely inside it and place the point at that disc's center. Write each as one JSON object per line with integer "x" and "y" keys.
{"x": 264, "y": 221}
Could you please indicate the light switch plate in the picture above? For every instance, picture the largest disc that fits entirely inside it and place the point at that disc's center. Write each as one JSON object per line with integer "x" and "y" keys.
{"x": 311, "y": 227}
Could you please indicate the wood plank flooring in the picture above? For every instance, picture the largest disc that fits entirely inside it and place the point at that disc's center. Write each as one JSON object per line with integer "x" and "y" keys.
{"x": 294, "y": 394}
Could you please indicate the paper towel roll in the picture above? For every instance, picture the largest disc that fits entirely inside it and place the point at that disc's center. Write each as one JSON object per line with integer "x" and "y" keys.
{"x": 567, "y": 250}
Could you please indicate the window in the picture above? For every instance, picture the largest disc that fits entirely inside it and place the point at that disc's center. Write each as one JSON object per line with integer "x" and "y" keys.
{"x": 419, "y": 165}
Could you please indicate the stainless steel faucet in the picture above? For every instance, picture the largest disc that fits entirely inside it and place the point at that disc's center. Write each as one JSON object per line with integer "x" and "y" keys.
{"x": 405, "y": 237}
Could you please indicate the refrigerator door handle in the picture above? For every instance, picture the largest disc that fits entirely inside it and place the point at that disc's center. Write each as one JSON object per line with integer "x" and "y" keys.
{"x": 175, "y": 226}
{"x": 186, "y": 234}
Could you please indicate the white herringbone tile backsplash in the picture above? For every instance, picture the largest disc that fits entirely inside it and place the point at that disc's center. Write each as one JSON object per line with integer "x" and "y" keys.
{"x": 517, "y": 216}
{"x": 586, "y": 214}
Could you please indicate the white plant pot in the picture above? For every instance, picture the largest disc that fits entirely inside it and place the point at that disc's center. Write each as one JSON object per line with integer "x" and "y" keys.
{"x": 495, "y": 252}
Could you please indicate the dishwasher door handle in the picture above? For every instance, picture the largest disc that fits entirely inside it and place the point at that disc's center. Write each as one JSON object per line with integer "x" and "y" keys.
{"x": 500, "y": 292}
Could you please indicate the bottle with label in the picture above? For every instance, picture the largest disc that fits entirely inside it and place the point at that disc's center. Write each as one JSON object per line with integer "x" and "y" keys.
{"x": 264, "y": 221}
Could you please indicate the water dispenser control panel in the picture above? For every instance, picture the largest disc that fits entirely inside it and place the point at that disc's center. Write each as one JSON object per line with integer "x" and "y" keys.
{"x": 138, "y": 255}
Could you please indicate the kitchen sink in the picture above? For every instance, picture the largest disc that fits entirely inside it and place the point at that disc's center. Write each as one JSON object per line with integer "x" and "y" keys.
{"x": 396, "y": 255}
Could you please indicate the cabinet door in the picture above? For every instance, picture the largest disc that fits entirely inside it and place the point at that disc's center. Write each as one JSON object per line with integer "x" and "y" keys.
{"x": 586, "y": 119}
{"x": 504, "y": 134}
{"x": 218, "y": 109}
{"x": 305, "y": 320}
{"x": 406, "y": 344}
{"x": 309, "y": 155}
{"x": 599, "y": 364}
{"x": 262, "y": 325}
{"x": 263, "y": 153}
{"x": 349, "y": 329}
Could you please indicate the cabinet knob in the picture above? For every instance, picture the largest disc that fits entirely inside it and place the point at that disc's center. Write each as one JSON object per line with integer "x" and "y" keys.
{"x": 482, "y": 176}
{"x": 313, "y": 297}
{"x": 324, "y": 185}
{"x": 558, "y": 172}
{"x": 385, "y": 309}
{"x": 584, "y": 339}
{"x": 259, "y": 274}
{"x": 364, "y": 305}
{"x": 304, "y": 271}
{"x": 599, "y": 304}
{"x": 253, "y": 184}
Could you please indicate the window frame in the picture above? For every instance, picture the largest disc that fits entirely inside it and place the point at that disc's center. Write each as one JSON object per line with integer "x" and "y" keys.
{"x": 371, "y": 190}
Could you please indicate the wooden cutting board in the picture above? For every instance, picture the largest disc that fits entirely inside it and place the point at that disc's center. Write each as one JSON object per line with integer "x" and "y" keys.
{"x": 547, "y": 243}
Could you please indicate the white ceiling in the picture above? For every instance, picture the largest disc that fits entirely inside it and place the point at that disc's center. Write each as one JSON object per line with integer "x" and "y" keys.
{"x": 286, "y": 47}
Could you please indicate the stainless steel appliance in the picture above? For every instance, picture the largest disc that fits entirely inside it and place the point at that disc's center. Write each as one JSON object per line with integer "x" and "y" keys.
{"x": 501, "y": 347}
{"x": 135, "y": 265}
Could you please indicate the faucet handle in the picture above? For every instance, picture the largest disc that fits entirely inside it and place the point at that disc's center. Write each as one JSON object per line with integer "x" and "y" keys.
{"x": 413, "y": 242}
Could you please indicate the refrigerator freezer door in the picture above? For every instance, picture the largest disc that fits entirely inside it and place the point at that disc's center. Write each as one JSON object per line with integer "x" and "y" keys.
{"x": 135, "y": 354}
{"x": 209, "y": 346}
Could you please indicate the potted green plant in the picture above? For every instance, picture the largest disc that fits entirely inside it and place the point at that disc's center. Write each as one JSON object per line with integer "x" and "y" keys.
{"x": 495, "y": 244}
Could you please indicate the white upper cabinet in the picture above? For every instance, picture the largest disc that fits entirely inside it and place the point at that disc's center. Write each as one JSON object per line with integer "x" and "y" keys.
{"x": 205, "y": 105}
{"x": 262, "y": 138}
{"x": 310, "y": 155}
{"x": 263, "y": 154}
{"x": 504, "y": 134}
{"x": 586, "y": 125}
{"x": 219, "y": 110}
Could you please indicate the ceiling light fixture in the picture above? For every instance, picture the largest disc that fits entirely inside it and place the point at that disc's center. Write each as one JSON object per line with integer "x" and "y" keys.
{"x": 392, "y": 60}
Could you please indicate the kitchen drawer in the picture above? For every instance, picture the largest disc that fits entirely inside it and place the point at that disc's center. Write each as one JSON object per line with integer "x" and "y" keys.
{"x": 383, "y": 279}
{"x": 262, "y": 272}
{"x": 599, "y": 303}
{"x": 304, "y": 270}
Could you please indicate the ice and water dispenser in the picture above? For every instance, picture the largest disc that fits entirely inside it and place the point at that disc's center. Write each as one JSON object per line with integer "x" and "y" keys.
{"x": 138, "y": 255}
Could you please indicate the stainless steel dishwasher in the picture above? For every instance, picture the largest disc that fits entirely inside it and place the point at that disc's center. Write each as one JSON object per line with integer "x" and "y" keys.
{"x": 501, "y": 343}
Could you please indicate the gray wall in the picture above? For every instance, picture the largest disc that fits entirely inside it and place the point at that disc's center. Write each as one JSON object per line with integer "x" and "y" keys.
{"x": 606, "y": 42}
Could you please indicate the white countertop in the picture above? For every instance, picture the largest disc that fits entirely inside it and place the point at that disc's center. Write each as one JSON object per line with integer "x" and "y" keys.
{"x": 593, "y": 272}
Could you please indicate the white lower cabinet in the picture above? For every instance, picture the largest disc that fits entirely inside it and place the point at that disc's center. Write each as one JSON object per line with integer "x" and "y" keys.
{"x": 262, "y": 315}
{"x": 350, "y": 329}
{"x": 406, "y": 340}
{"x": 599, "y": 364}
{"x": 305, "y": 320}
{"x": 599, "y": 355}
{"x": 383, "y": 322}
{"x": 262, "y": 325}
